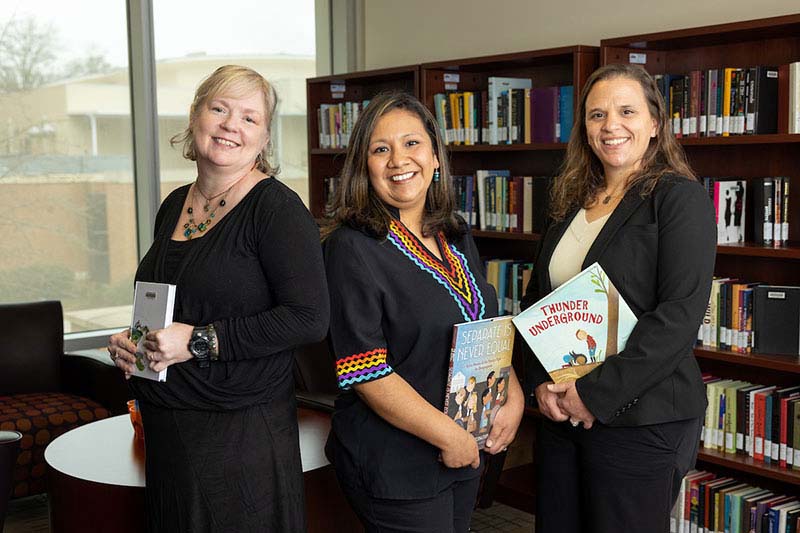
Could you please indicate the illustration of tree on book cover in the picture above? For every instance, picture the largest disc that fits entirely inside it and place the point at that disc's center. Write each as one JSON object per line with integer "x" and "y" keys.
{"x": 574, "y": 328}
{"x": 480, "y": 364}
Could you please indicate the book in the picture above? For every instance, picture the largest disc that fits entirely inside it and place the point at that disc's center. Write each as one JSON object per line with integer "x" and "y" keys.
{"x": 480, "y": 365}
{"x": 574, "y": 328}
{"x": 776, "y": 319}
{"x": 153, "y": 304}
{"x": 498, "y": 128}
{"x": 729, "y": 201}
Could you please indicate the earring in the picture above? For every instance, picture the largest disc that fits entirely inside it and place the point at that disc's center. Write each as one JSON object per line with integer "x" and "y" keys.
{"x": 436, "y": 174}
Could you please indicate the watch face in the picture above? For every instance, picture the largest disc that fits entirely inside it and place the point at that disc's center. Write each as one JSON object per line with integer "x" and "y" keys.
{"x": 199, "y": 347}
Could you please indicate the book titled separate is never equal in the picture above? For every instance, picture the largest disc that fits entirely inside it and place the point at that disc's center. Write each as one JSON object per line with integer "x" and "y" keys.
{"x": 576, "y": 327}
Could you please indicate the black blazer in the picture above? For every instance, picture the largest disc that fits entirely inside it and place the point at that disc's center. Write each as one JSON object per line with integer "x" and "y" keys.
{"x": 659, "y": 251}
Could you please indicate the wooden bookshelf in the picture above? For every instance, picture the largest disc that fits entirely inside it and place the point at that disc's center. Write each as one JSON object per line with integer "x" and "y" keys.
{"x": 772, "y": 41}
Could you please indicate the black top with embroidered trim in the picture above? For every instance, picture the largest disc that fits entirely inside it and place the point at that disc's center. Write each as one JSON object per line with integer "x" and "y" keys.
{"x": 393, "y": 306}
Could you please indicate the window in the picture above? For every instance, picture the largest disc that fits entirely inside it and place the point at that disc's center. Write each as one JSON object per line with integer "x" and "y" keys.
{"x": 67, "y": 213}
{"x": 275, "y": 38}
{"x": 66, "y": 178}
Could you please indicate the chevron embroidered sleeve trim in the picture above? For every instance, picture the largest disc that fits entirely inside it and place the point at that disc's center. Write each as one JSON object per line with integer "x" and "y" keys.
{"x": 362, "y": 367}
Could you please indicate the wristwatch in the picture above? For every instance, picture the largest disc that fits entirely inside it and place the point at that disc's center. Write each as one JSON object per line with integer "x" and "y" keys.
{"x": 203, "y": 345}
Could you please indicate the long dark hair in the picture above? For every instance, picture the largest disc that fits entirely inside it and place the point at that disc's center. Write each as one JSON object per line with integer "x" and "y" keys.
{"x": 355, "y": 202}
{"x": 581, "y": 175}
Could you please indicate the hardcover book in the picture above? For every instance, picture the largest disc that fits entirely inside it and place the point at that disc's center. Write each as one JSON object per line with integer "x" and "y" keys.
{"x": 480, "y": 364}
{"x": 574, "y": 328}
{"x": 153, "y": 304}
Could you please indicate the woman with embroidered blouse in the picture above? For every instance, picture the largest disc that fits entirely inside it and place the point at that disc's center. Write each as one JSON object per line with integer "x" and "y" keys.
{"x": 402, "y": 269}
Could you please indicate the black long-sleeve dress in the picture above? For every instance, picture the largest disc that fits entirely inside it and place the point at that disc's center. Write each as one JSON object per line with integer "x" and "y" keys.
{"x": 222, "y": 441}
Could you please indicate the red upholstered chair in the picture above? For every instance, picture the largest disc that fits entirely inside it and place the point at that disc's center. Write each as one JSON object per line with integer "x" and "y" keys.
{"x": 33, "y": 400}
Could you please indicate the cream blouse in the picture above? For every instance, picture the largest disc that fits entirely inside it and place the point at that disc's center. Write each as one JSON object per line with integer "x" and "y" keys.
{"x": 571, "y": 250}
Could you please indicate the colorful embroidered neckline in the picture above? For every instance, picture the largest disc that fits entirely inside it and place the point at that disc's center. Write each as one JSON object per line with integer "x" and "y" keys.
{"x": 452, "y": 272}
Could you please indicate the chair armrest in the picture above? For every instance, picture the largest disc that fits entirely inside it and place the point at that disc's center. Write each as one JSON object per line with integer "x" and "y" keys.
{"x": 318, "y": 401}
{"x": 88, "y": 375}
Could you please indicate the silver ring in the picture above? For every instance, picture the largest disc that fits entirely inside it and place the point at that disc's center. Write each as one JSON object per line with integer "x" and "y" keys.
{"x": 113, "y": 356}
{"x": 574, "y": 422}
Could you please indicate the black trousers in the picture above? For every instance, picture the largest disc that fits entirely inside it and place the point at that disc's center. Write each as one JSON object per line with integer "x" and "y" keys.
{"x": 447, "y": 512}
{"x": 611, "y": 479}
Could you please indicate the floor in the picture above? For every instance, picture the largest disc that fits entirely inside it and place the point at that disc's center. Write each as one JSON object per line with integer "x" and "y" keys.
{"x": 29, "y": 515}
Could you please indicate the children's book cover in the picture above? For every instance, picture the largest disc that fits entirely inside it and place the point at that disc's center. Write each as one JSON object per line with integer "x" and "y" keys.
{"x": 480, "y": 365}
{"x": 153, "y": 304}
{"x": 574, "y": 328}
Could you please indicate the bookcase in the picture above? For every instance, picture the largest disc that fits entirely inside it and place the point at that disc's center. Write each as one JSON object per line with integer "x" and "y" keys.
{"x": 570, "y": 65}
{"x": 772, "y": 41}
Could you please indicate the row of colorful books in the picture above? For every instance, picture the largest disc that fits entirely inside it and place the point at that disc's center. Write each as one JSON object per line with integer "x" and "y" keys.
{"x": 335, "y": 122}
{"x": 759, "y": 421}
{"x": 510, "y": 279}
{"x": 748, "y": 317}
{"x": 493, "y": 200}
{"x": 509, "y": 111}
{"x": 769, "y": 206}
{"x": 709, "y": 503}
{"x": 722, "y": 101}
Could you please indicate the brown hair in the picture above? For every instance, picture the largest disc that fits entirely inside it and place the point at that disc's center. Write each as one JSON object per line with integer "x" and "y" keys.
{"x": 237, "y": 80}
{"x": 355, "y": 202}
{"x": 581, "y": 175}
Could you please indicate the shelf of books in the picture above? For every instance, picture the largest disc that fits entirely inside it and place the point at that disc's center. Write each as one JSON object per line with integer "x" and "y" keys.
{"x": 511, "y": 113}
{"x": 733, "y": 92}
{"x": 333, "y": 105}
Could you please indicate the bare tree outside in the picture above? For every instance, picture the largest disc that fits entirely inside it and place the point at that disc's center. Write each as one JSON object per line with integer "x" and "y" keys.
{"x": 29, "y": 56}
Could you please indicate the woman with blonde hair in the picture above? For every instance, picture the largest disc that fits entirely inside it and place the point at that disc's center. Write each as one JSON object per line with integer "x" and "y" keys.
{"x": 221, "y": 433}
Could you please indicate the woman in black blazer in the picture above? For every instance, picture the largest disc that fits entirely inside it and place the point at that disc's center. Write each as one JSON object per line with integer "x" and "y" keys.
{"x": 616, "y": 443}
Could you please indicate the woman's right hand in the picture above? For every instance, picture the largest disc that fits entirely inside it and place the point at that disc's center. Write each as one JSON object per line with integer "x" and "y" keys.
{"x": 122, "y": 352}
{"x": 548, "y": 403}
{"x": 462, "y": 450}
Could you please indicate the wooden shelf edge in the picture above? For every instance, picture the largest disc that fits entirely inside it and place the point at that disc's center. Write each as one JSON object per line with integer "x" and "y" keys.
{"x": 506, "y": 235}
{"x": 512, "y": 57}
{"x": 409, "y": 70}
{"x": 736, "y": 140}
{"x": 328, "y": 151}
{"x": 518, "y": 147}
{"x": 791, "y": 251}
{"x": 783, "y": 363}
{"x": 747, "y": 464}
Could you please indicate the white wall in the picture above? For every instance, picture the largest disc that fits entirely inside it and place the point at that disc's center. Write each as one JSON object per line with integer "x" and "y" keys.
{"x": 416, "y": 31}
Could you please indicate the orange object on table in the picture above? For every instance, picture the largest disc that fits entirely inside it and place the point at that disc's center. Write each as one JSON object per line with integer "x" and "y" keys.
{"x": 136, "y": 419}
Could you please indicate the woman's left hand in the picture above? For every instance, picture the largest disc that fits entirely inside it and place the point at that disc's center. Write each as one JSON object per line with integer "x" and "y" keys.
{"x": 571, "y": 403}
{"x": 165, "y": 347}
{"x": 507, "y": 420}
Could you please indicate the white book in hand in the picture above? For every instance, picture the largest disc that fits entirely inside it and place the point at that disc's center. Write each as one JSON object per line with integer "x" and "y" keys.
{"x": 153, "y": 304}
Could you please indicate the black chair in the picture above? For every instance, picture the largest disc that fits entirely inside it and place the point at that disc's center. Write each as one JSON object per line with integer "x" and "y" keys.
{"x": 35, "y": 399}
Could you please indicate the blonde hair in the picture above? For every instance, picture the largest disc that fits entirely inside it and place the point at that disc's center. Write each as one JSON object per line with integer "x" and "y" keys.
{"x": 225, "y": 80}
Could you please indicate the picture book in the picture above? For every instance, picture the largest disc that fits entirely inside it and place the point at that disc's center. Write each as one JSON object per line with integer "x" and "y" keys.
{"x": 574, "y": 328}
{"x": 153, "y": 304}
{"x": 480, "y": 365}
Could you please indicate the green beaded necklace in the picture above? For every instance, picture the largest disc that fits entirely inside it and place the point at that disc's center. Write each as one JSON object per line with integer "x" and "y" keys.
{"x": 190, "y": 228}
